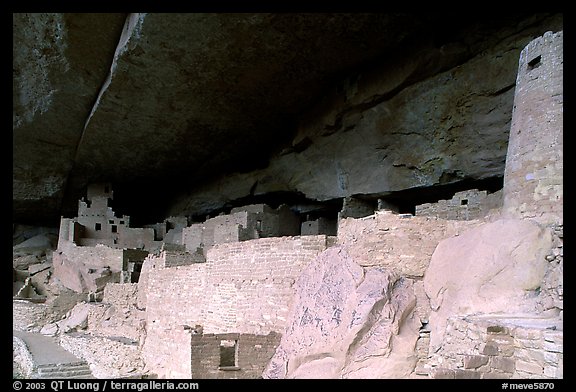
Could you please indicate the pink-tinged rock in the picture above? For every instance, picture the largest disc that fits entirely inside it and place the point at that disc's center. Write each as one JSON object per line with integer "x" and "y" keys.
{"x": 497, "y": 267}
{"x": 347, "y": 322}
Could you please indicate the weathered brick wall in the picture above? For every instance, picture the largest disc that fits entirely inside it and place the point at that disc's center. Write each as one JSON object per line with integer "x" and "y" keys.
{"x": 319, "y": 226}
{"x": 484, "y": 348}
{"x": 253, "y": 354}
{"x": 245, "y": 287}
{"x": 175, "y": 296}
{"x": 402, "y": 242}
{"x": 214, "y": 228}
{"x": 27, "y": 315}
{"x": 121, "y": 294}
{"x": 466, "y": 205}
{"x": 176, "y": 259}
{"x": 533, "y": 178}
{"x": 249, "y": 287}
{"x": 353, "y": 207}
{"x": 192, "y": 236}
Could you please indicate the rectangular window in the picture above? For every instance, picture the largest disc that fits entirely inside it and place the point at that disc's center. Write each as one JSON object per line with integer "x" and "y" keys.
{"x": 97, "y": 227}
{"x": 464, "y": 202}
{"x": 114, "y": 229}
{"x": 228, "y": 353}
{"x": 111, "y": 222}
{"x": 534, "y": 63}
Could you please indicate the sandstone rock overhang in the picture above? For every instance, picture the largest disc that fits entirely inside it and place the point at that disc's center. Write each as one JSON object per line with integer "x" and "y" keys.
{"x": 157, "y": 102}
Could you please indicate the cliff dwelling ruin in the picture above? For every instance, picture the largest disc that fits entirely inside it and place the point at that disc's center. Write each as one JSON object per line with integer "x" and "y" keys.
{"x": 390, "y": 210}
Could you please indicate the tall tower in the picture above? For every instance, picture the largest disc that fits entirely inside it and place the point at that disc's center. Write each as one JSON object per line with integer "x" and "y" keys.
{"x": 533, "y": 180}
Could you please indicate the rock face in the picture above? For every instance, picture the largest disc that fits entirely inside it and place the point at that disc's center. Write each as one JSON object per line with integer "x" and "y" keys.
{"x": 497, "y": 267}
{"x": 422, "y": 118}
{"x": 59, "y": 63}
{"x": 407, "y": 101}
{"x": 345, "y": 319}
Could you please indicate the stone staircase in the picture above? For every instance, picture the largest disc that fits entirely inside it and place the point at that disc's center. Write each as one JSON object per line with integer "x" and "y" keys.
{"x": 64, "y": 370}
{"x": 50, "y": 360}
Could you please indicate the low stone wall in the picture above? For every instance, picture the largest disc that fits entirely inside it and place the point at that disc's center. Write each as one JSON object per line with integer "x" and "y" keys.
{"x": 21, "y": 358}
{"x": 465, "y": 205}
{"x": 28, "y": 315}
{"x": 108, "y": 357}
{"x": 253, "y": 353}
{"x": 499, "y": 348}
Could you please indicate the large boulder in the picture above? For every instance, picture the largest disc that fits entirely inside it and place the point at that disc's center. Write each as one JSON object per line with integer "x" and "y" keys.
{"x": 497, "y": 267}
{"x": 347, "y": 322}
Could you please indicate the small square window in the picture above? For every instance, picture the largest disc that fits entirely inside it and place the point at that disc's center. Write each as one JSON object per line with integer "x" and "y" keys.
{"x": 228, "y": 353}
{"x": 535, "y": 62}
{"x": 114, "y": 229}
{"x": 111, "y": 222}
{"x": 464, "y": 202}
{"x": 97, "y": 227}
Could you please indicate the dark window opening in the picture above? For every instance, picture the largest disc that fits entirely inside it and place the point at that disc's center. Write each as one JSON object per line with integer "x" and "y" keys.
{"x": 535, "y": 62}
{"x": 111, "y": 222}
{"x": 114, "y": 229}
{"x": 121, "y": 222}
{"x": 115, "y": 241}
{"x": 228, "y": 350}
{"x": 97, "y": 227}
{"x": 464, "y": 202}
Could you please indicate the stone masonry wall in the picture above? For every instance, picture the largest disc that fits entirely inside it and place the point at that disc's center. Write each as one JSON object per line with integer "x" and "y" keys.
{"x": 253, "y": 354}
{"x": 533, "y": 177}
{"x": 484, "y": 348}
{"x": 402, "y": 242}
{"x": 466, "y": 205}
{"x": 245, "y": 287}
{"x": 168, "y": 353}
{"x": 27, "y": 315}
{"x": 121, "y": 294}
